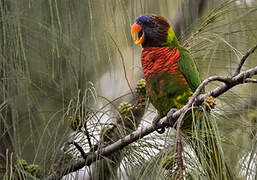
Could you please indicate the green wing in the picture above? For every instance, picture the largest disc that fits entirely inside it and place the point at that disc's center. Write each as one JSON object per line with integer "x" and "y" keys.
{"x": 189, "y": 69}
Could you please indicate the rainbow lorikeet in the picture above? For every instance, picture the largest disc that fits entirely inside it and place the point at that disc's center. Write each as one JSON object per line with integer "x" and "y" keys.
{"x": 169, "y": 70}
{"x": 171, "y": 74}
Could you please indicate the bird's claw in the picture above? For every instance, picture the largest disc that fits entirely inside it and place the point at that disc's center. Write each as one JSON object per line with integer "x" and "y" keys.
{"x": 155, "y": 122}
{"x": 170, "y": 117}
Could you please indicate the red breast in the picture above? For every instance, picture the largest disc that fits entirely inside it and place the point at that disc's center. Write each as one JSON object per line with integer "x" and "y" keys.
{"x": 156, "y": 60}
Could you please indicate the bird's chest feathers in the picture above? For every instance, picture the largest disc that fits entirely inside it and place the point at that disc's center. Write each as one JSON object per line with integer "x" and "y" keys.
{"x": 156, "y": 60}
{"x": 166, "y": 85}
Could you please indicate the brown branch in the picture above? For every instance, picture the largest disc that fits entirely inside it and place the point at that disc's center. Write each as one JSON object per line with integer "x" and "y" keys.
{"x": 80, "y": 149}
{"x": 250, "y": 51}
{"x": 250, "y": 80}
{"x": 58, "y": 171}
{"x": 196, "y": 99}
{"x": 88, "y": 138}
{"x": 179, "y": 147}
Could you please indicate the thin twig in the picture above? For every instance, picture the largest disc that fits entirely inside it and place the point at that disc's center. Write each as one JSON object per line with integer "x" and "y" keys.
{"x": 123, "y": 64}
{"x": 242, "y": 61}
{"x": 179, "y": 147}
{"x": 80, "y": 149}
{"x": 88, "y": 138}
{"x": 251, "y": 80}
{"x": 86, "y": 130}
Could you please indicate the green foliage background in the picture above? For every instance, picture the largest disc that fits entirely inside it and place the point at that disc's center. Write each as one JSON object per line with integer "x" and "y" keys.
{"x": 55, "y": 52}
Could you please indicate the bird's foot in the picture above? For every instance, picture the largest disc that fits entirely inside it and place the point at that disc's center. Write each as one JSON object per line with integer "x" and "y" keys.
{"x": 155, "y": 122}
{"x": 171, "y": 120}
{"x": 210, "y": 102}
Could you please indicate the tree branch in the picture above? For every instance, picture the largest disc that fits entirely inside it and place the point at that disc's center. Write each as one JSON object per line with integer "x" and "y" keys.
{"x": 196, "y": 99}
{"x": 80, "y": 149}
{"x": 59, "y": 170}
{"x": 250, "y": 51}
{"x": 179, "y": 147}
{"x": 250, "y": 80}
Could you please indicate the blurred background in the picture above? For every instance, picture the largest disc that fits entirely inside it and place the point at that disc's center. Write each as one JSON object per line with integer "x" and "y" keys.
{"x": 54, "y": 52}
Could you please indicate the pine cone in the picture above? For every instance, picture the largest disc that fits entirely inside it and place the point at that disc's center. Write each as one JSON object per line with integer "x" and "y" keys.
{"x": 140, "y": 87}
{"x": 210, "y": 102}
{"x": 124, "y": 107}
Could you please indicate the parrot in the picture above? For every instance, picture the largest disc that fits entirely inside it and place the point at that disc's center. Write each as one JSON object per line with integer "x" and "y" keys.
{"x": 169, "y": 69}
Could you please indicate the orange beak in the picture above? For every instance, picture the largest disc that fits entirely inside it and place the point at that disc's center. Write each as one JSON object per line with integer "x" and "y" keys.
{"x": 136, "y": 29}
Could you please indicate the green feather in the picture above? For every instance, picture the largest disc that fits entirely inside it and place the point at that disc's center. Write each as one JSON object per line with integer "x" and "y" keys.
{"x": 189, "y": 69}
{"x": 171, "y": 36}
{"x": 172, "y": 40}
{"x": 187, "y": 64}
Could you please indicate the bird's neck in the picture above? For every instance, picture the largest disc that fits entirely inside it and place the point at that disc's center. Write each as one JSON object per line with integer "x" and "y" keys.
{"x": 172, "y": 40}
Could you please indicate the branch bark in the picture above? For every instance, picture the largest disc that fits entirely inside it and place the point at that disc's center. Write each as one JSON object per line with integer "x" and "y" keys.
{"x": 196, "y": 100}
{"x": 250, "y": 51}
